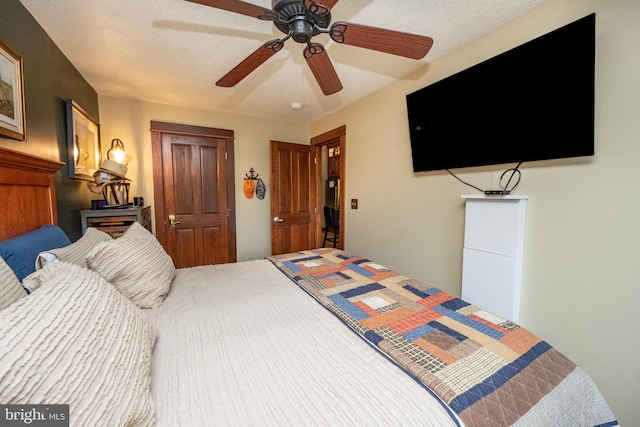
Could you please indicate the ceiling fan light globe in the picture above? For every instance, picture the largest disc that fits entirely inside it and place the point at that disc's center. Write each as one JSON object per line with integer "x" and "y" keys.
{"x": 301, "y": 31}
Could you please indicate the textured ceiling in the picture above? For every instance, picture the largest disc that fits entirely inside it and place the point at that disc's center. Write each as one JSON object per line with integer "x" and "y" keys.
{"x": 173, "y": 51}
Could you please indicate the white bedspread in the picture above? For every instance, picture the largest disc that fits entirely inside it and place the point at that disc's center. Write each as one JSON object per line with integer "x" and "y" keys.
{"x": 240, "y": 344}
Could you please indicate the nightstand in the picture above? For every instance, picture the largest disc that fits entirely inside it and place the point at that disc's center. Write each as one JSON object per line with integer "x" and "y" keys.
{"x": 116, "y": 221}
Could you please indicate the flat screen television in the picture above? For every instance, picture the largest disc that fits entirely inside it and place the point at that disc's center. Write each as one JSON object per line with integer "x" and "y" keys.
{"x": 533, "y": 102}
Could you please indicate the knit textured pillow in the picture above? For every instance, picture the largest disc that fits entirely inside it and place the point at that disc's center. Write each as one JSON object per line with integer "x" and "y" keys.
{"x": 76, "y": 252}
{"x": 10, "y": 288}
{"x": 77, "y": 341}
{"x": 137, "y": 265}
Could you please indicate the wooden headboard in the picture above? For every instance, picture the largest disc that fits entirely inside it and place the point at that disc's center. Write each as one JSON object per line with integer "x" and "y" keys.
{"x": 27, "y": 192}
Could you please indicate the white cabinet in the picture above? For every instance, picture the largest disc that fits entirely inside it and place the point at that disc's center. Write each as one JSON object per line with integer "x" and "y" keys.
{"x": 493, "y": 249}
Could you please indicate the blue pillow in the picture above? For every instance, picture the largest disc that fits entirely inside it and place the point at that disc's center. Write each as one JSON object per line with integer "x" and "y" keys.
{"x": 20, "y": 253}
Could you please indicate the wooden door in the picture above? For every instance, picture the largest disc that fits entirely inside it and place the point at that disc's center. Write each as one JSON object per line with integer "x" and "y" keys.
{"x": 194, "y": 193}
{"x": 293, "y": 198}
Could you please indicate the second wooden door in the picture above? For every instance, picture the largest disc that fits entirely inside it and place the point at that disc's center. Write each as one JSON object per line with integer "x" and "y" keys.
{"x": 293, "y": 199}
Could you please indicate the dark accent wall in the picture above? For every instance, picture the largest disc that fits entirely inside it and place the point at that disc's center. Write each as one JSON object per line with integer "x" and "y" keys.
{"x": 49, "y": 79}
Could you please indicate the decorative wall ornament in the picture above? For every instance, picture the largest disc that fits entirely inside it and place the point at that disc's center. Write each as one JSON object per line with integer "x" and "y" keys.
{"x": 253, "y": 184}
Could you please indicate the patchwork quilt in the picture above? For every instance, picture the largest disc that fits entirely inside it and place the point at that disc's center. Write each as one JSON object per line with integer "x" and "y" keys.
{"x": 488, "y": 370}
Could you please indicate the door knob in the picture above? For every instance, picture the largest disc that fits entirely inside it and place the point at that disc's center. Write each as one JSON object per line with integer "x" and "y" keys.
{"x": 278, "y": 219}
{"x": 172, "y": 221}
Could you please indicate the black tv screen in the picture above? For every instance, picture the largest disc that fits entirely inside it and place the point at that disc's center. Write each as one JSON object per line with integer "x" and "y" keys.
{"x": 533, "y": 102}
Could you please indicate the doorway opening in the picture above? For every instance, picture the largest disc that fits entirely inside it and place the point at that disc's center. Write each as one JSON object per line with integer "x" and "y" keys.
{"x": 330, "y": 152}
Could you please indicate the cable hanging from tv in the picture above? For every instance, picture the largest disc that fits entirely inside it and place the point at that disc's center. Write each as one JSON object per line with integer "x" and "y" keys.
{"x": 505, "y": 189}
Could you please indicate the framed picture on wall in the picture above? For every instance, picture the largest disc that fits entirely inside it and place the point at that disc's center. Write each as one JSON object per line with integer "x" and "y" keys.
{"x": 83, "y": 143}
{"x": 12, "y": 117}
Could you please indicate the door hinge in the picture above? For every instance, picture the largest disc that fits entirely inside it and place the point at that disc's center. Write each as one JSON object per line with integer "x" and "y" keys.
{"x": 228, "y": 211}
{"x": 226, "y": 155}
{"x": 315, "y": 160}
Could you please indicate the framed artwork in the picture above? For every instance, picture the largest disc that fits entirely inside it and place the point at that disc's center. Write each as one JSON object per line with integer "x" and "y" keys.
{"x": 12, "y": 115}
{"x": 83, "y": 143}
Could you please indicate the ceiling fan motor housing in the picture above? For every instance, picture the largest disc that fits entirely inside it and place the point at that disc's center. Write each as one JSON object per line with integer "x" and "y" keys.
{"x": 297, "y": 20}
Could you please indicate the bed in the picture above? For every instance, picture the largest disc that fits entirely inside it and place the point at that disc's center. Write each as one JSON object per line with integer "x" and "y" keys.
{"x": 319, "y": 337}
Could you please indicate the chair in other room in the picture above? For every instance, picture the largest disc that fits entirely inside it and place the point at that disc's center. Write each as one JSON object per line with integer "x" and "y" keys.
{"x": 332, "y": 226}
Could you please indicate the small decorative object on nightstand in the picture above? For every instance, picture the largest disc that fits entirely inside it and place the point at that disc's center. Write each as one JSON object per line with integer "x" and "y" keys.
{"x": 116, "y": 221}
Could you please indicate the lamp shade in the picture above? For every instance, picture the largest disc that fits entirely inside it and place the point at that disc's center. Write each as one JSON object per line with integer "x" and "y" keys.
{"x": 117, "y": 152}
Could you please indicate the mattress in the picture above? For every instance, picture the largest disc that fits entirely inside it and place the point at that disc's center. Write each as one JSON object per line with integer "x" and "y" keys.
{"x": 241, "y": 344}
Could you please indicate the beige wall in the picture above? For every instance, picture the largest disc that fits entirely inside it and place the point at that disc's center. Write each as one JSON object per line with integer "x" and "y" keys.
{"x": 129, "y": 120}
{"x": 582, "y": 243}
{"x": 583, "y": 229}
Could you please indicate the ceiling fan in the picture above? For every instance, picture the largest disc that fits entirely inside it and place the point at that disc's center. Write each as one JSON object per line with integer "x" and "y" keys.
{"x": 301, "y": 20}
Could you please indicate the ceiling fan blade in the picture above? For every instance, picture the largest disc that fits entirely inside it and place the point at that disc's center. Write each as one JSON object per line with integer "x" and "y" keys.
{"x": 329, "y": 3}
{"x": 240, "y": 7}
{"x": 250, "y": 63}
{"x": 388, "y": 41}
{"x": 322, "y": 69}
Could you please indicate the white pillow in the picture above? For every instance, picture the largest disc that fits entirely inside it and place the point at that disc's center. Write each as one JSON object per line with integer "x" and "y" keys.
{"x": 136, "y": 264}
{"x": 77, "y": 341}
{"x": 10, "y": 288}
{"x": 31, "y": 282}
{"x": 76, "y": 252}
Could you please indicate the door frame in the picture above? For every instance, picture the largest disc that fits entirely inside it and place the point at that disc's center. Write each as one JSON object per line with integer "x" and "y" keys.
{"x": 159, "y": 128}
{"x": 317, "y": 142}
